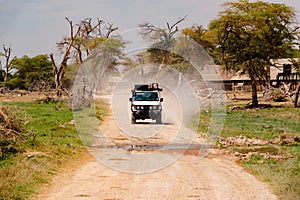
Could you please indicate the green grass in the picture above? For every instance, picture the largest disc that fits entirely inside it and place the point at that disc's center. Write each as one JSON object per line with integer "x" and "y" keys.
{"x": 88, "y": 120}
{"x": 257, "y": 123}
{"x": 282, "y": 175}
{"x": 55, "y": 145}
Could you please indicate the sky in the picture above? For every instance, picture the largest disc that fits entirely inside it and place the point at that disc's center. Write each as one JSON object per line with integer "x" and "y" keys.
{"x": 32, "y": 27}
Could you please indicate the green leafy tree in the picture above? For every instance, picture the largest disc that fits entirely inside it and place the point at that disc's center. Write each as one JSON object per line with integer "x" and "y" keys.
{"x": 250, "y": 34}
{"x": 31, "y": 73}
{"x": 204, "y": 38}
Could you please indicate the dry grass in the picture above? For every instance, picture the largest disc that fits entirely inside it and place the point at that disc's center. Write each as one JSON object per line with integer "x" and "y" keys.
{"x": 11, "y": 130}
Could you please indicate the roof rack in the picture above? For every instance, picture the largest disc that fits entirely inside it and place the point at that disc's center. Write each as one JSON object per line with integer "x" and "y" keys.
{"x": 149, "y": 87}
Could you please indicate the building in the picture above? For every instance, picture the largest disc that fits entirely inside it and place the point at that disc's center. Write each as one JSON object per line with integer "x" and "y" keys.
{"x": 282, "y": 71}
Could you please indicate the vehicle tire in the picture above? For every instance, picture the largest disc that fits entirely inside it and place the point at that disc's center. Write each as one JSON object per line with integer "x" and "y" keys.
{"x": 158, "y": 118}
{"x": 133, "y": 120}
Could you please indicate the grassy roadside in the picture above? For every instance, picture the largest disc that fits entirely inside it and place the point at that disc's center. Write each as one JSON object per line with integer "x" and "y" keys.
{"x": 282, "y": 175}
{"x": 54, "y": 145}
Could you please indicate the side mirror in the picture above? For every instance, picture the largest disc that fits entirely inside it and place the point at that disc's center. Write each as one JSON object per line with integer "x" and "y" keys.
{"x": 130, "y": 99}
{"x": 161, "y": 99}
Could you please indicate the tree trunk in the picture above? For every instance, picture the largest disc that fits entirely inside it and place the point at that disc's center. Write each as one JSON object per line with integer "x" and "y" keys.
{"x": 254, "y": 93}
{"x": 57, "y": 77}
{"x": 1, "y": 74}
{"x": 6, "y": 70}
{"x": 59, "y": 71}
{"x": 297, "y": 97}
{"x": 7, "y": 53}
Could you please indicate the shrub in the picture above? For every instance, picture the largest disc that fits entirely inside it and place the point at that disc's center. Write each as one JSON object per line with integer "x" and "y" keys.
{"x": 11, "y": 130}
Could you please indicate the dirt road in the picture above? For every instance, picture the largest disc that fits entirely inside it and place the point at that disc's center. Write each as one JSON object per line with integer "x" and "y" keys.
{"x": 214, "y": 176}
{"x": 188, "y": 178}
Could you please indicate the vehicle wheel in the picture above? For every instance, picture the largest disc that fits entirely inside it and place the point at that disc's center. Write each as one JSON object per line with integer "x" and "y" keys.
{"x": 158, "y": 118}
{"x": 133, "y": 119}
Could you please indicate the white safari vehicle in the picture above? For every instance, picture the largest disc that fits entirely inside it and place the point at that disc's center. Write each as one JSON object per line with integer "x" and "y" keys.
{"x": 146, "y": 103}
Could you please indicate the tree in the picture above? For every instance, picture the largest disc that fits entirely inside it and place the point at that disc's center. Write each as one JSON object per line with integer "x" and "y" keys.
{"x": 89, "y": 37}
{"x": 8, "y": 61}
{"x": 163, "y": 40}
{"x": 202, "y": 36}
{"x": 59, "y": 71}
{"x": 33, "y": 74}
{"x": 79, "y": 45}
{"x": 297, "y": 96}
{"x": 250, "y": 34}
{"x": 296, "y": 64}
{"x": 171, "y": 49}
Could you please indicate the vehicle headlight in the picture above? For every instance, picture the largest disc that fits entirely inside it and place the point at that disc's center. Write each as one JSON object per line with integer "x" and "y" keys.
{"x": 150, "y": 107}
{"x": 133, "y": 107}
{"x": 138, "y": 107}
{"x": 154, "y": 107}
{"x": 142, "y": 107}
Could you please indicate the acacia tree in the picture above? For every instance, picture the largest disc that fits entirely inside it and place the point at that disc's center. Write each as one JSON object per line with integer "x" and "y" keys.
{"x": 202, "y": 36}
{"x": 84, "y": 37}
{"x": 250, "y": 34}
{"x": 34, "y": 74}
{"x": 163, "y": 39}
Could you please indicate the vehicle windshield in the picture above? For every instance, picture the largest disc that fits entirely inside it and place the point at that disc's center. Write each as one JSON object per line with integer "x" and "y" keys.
{"x": 145, "y": 96}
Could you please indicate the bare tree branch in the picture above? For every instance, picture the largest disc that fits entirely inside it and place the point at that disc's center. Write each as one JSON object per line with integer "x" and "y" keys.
{"x": 83, "y": 38}
{"x": 100, "y": 21}
{"x": 147, "y": 28}
{"x": 8, "y": 61}
{"x": 54, "y": 67}
{"x": 59, "y": 71}
{"x": 163, "y": 37}
{"x": 110, "y": 29}
{"x": 176, "y": 23}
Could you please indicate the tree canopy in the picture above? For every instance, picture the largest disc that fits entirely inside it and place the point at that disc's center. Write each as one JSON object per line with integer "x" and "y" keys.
{"x": 31, "y": 73}
{"x": 250, "y": 34}
{"x": 204, "y": 37}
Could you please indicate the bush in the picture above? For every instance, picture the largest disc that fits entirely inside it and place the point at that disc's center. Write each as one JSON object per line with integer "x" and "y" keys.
{"x": 11, "y": 131}
{"x": 278, "y": 95}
